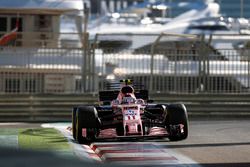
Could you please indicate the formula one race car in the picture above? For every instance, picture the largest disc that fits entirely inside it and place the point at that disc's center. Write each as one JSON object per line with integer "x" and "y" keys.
{"x": 129, "y": 114}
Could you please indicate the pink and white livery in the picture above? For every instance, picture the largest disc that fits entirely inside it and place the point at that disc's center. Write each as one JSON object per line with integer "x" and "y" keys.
{"x": 127, "y": 113}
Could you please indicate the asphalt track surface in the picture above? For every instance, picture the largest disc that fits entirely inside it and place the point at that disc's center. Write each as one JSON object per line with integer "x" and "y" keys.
{"x": 210, "y": 143}
{"x": 222, "y": 143}
{"x": 216, "y": 143}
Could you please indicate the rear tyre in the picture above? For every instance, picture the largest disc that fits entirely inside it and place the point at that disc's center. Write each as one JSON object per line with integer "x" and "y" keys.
{"x": 87, "y": 118}
{"x": 177, "y": 114}
{"x": 74, "y": 122}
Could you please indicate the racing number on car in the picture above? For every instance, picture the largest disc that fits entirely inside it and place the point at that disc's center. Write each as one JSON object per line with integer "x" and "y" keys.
{"x": 130, "y": 113}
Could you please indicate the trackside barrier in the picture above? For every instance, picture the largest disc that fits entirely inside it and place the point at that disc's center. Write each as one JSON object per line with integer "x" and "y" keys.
{"x": 48, "y": 108}
{"x": 177, "y": 64}
{"x": 165, "y": 63}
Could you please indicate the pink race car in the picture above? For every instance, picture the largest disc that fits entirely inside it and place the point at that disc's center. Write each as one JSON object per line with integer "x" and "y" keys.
{"x": 128, "y": 113}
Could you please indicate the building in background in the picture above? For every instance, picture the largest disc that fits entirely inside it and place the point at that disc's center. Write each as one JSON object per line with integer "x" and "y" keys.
{"x": 26, "y": 64}
{"x": 39, "y": 20}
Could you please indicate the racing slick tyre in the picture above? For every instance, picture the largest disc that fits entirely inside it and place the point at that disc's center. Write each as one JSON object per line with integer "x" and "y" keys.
{"x": 87, "y": 118}
{"x": 176, "y": 115}
{"x": 74, "y": 122}
{"x": 120, "y": 130}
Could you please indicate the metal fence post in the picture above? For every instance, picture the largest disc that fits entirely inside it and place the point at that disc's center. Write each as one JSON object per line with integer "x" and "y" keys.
{"x": 151, "y": 68}
{"x": 92, "y": 81}
{"x": 152, "y": 50}
{"x": 207, "y": 67}
{"x": 201, "y": 65}
{"x": 84, "y": 46}
{"x": 175, "y": 72}
{"x": 95, "y": 77}
{"x": 248, "y": 71}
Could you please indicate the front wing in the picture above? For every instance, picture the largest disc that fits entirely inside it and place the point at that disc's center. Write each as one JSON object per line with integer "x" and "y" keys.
{"x": 154, "y": 132}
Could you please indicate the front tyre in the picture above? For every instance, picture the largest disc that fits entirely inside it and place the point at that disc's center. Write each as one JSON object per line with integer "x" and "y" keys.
{"x": 87, "y": 118}
{"x": 177, "y": 115}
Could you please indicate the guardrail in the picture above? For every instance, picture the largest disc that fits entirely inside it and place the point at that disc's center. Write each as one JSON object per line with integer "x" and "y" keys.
{"x": 49, "y": 108}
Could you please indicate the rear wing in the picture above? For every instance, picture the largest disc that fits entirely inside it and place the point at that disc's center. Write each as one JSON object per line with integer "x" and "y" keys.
{"x": 112, "y": 95}
{"x": 118, "y": 85}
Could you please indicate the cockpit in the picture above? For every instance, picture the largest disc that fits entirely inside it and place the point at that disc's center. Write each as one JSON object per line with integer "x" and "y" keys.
{"x": 127, "y": 94}
{"x": 127, "y": 90}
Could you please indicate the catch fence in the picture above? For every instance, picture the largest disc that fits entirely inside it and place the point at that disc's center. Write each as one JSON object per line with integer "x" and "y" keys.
{"x": 189, "y": 66}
